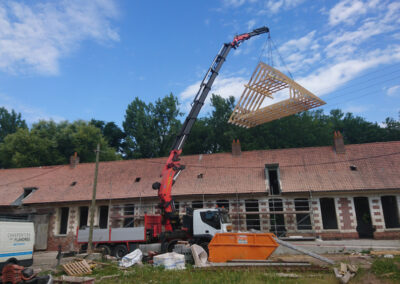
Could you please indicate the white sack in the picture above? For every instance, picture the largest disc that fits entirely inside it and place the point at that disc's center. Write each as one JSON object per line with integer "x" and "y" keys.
{"x": 131, "y": 258}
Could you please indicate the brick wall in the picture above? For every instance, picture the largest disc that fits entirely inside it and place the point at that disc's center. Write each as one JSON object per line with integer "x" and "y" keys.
{"x": 346, "y": 213}
{"x": 377, "y": 214}
{"x": 67, "y": 241}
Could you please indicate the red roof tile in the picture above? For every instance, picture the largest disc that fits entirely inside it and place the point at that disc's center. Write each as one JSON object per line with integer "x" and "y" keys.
{"x": 301, "y": 169}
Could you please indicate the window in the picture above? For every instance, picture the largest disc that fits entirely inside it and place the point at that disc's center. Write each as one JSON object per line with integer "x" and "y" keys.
{"x": 63, "y": 227}
{"x": 277, "y": 221}
{"x": 390, "y": 211}
{"x": 197, "y": 204}
{"x": 272, "y": 176}
{"x": 129, "y": 210}
{"x": 176, "y": 204}
{"x": 252, "y": 220}
{"x": 29, "y": 190}
{"x": 103, "y": 217}
{"x": 83, "y": 216}
{"x": 303, "y": 220}
{"x": 223, "y": 204}
{"x": 328, "y": 212}
{"x": 211, "y": 218}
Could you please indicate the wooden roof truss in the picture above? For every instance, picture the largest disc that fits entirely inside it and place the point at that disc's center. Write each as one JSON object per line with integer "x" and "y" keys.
{"x": 265, "y": 82}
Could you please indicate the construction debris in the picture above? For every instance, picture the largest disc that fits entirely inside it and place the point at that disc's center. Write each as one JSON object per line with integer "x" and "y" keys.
{"x": 265, "y": 82}
{"x": 385, "y": 252}
{"x": 77, "y": 268}
{"x": 346, "y": 272}
{"x": 319, "y": 257}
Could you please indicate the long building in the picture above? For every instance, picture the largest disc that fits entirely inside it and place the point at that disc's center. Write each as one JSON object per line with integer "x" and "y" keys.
{"x": 344, "y": 191}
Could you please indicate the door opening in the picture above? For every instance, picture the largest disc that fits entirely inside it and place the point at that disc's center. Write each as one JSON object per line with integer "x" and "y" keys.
{"x": 363, "y": 214}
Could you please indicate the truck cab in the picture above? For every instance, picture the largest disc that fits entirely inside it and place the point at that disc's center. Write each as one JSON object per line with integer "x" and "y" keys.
{"x": 211, "y": 221}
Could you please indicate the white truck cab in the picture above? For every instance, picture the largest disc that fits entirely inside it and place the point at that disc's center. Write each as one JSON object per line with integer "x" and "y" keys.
{"x": 211, "y": 221}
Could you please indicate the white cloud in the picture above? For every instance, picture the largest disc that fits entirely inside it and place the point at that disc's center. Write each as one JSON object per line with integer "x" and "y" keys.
{"x": 348, "y": 11}
{"x": 223, "y": 86}
{"x": 29, "y": 113}
{"x": 296, "y": 52}
{"x": 274, "y": 6}
{"x": 329, "y": 78}
{"x": 393, "y": 91}
{"x": 251, "y": 24}
{"x": 35, "y": 37}
{"x": 234, "y": 3}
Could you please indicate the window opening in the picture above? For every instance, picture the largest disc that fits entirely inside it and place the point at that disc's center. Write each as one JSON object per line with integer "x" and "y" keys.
{"x": 64, "y": 212}
{"x": 29, "y": 190}
{"x": 353, "y": 167}
{"x": 176, "y": 204}
{"x": 328, "y": 212}
{"x": 129, "y": 210}
{"x": 303, "y": 220}
{"x": 83, "y": 216}
{"x": 252, "y": 220}
{"x": 198, "y": 204}
{"x": 272, "y": 174}
{"x": 138, "y": 179}
{"x": 103, "y": 217}
{"x": 277, "y": 221}
{"x": 223, "y": 204}
{"x": 211, "y": 218}
{"x": 390, "y": 212}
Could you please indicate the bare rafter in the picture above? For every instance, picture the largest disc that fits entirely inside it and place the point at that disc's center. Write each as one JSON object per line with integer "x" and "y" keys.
{"x": 264, "y": 82}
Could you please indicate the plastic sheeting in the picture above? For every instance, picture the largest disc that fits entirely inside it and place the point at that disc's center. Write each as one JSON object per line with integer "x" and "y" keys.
{"x": 171, "y": 260}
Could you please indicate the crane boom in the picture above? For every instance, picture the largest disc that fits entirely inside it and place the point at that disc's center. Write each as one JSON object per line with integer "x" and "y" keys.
{"x": 173, "y": 168}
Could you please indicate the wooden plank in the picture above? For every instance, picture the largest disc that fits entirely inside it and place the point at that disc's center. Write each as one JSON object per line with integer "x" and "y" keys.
{"x": 383, "y": 252}
{"x": 77, "y": 268}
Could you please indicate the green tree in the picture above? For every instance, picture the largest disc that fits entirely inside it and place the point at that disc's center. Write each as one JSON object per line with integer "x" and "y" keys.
{"x": 151, "y": 128}
{"x": 10, "y": 122}
{"x": 112, "y": 132}
{"x": 50, "y": 143}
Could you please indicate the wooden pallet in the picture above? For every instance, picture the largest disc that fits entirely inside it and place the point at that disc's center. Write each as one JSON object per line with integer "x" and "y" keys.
{"x": 265, "y": 82}
{"x": 77, "y": 268}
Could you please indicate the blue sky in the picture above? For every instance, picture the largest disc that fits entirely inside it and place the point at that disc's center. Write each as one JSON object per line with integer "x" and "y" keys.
{"x": 68, "y": 60}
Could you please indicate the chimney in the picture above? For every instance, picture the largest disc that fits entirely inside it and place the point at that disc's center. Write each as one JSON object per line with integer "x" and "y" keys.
{"x": 338, "y": 144}
{"x": 73, "y": 160}
{"x": 236, "y": 150}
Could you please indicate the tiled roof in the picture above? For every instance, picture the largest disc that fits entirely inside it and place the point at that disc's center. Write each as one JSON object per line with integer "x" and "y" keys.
{"x": 301, "y": 169}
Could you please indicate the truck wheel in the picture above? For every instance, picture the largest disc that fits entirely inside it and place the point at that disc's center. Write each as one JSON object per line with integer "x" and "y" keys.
{"x": 171, "y": 245}
{"x": 105, "y": 249}
{"x": 120, "y": 251}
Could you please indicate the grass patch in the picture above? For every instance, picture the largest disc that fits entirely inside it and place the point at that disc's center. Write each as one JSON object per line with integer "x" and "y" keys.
{"x": 387, "y": 268}
{"x": 150, "y": 274}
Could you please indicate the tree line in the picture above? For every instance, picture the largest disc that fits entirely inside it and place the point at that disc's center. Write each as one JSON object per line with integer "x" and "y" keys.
{"x": 149, "y": 129}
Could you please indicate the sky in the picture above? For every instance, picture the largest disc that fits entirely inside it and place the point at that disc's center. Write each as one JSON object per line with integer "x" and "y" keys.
{"x": 84, "y": 59}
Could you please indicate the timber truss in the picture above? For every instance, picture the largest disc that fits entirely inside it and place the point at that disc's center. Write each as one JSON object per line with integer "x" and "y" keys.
{"x": 265, "y": 82}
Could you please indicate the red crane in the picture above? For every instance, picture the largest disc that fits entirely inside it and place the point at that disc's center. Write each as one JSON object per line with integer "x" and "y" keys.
{"x": 173, "y": 168}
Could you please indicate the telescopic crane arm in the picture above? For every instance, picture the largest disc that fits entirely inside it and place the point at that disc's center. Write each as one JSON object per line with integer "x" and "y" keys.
{"x": 173, "y": 168}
